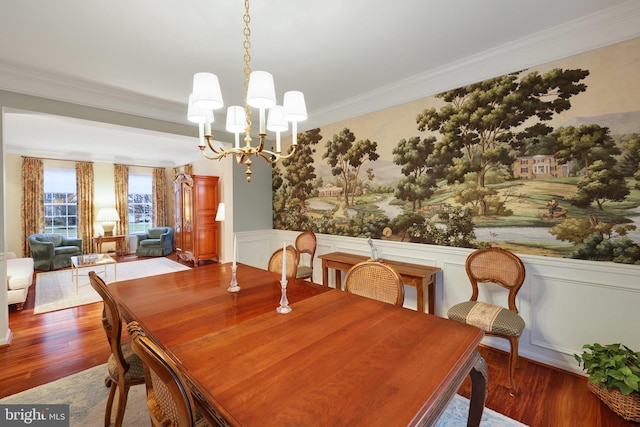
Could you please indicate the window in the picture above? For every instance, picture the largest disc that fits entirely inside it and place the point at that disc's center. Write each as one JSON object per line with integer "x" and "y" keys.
{"x": 60, "y": 202}
{"x": 140, "y": 203}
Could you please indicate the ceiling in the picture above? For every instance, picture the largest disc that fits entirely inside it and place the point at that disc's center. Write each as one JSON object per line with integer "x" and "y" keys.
{"x": 348, "y": 57}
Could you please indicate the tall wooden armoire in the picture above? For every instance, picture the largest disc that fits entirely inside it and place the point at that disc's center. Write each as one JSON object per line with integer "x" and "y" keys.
{"x": 197, "y": 233}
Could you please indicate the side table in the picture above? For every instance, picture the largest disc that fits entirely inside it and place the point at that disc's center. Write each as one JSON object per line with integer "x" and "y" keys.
{"x": 118, "y": 239}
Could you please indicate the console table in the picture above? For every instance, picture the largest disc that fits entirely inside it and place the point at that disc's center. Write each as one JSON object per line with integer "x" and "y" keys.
{"x": 118, "y": 239}
{"x": 418, "y": 276}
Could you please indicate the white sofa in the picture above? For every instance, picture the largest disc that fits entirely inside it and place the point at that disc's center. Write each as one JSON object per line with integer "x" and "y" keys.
{"x": 19, "y": 278}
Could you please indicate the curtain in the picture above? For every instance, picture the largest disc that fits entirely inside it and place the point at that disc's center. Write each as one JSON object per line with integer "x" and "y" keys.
{"x": 121, "y": 180}
{"x": 85, "y": 206}
{"x": 159, "y": 194}
{"x": 32, "y": 205}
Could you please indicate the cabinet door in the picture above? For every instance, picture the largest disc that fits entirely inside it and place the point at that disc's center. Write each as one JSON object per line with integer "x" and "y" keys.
{"x": 206, "y": 227}
{"x": 187, "y": 220}
{"x": 177, "y": 231}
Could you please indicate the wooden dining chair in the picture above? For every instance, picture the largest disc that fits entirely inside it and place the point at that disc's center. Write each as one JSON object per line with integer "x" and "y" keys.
{"x": 293, "y": 258}
{"x": 306, "y": 244}
{"x": 377, "y": 280}
{"x": 494, "y": 265}
{"x": 124, "y": 366}
{"x": 169, "y": 400}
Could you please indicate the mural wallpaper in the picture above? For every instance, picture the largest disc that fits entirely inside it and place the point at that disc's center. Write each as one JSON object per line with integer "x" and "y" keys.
{"x": 543, "y": 161}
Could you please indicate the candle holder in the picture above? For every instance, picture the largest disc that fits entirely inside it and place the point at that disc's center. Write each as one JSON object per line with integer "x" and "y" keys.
{"x": 284, "y": 302}
{"x": 233, "y": 286}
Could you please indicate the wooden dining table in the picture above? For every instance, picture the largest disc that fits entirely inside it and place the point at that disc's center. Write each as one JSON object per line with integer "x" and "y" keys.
{"x": 336, "y": 359}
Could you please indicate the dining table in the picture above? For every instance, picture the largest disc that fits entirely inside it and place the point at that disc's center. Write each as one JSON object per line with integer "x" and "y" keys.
{"x": 336, "y": 359}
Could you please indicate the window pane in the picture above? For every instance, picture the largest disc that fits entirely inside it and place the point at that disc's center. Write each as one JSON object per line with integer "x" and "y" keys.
{"x": 140, "y": 202}
{"x": 60, "y": 201}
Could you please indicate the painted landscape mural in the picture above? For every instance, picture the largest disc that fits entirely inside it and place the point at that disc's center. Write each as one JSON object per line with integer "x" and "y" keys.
{"x": 543, "y": 161}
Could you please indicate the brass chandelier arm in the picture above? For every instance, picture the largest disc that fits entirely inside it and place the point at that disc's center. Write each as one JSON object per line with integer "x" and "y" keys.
{"x": 244, "y": 154}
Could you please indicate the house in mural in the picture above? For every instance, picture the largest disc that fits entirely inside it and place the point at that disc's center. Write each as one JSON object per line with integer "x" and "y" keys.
{"x": 540, "y": 166}
{"x": 329, "y": 190}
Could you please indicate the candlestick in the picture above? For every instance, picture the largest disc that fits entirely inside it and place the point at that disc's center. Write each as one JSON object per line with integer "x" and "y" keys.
{"x": 235, "y": 250}
{"x": 284, "y": 302}
{"x": 233, "y": 286}
{"x": 284, "y": 263}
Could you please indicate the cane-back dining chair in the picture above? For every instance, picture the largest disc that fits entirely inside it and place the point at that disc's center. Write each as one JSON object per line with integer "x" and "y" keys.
{"x": 494, "y": 265}
{"x": 124, "y": 366}
{"x": 376, "y": 280}
{"x": 168, "y": 397}
{"x": 293, "y": 258}
{"x": 306, "y": 244}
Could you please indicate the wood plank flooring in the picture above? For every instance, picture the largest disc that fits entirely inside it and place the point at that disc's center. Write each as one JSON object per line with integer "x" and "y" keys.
{"x": 49, "y": 346}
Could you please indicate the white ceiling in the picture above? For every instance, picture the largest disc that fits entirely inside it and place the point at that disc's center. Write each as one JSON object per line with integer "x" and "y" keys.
{"x": 349, "y": 57}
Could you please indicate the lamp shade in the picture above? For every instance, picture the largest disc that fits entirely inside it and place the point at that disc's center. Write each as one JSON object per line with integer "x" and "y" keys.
{"x": 236, "y": 119}
{"x": 220, "y": 212}
{"x": 261, "y": 92}
{"x": 206, "y": 91}
{"x": 108, "y": 215}
{"x": 197, "y": 114}
{"x": 295, "y": 109}
{"x": 276, "y": 121}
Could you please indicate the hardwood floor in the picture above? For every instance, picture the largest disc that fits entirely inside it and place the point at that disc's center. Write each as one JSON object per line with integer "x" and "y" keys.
{"x": 49, "y": 346}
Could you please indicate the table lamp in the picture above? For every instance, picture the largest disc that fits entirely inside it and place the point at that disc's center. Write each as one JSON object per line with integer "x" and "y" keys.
{"x": 108, "y": 217}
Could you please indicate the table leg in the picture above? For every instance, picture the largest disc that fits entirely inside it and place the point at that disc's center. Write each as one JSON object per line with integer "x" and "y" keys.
{"x": 479, "y": 378}
{"x": 325, "y": 274}
{"x": 420, "y": 296}
{"x": 338, "y": 279}
{"x": 431, "y": 294}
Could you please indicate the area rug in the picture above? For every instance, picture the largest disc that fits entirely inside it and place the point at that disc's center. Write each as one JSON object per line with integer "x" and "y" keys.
{"x": 87, "y": 396}
{"x": 56, "y": 290}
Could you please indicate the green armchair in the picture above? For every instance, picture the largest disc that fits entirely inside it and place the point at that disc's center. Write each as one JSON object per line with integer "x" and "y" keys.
{"x": 155, "y": 242}
{"x": 53, "y": 251}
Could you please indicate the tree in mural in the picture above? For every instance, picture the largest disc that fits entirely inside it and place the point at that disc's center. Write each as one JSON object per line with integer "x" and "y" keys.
{"x": 601, "y": 183}
{"x": 346, "y": 157}
{"x": 484, "y": 122}
{"x": 412, "y": 156}
{"x": 598, "y": 241}
{"x": 299, "y": 169}
{"x": 584, "y": 144}
{"x": 630, "y": 162}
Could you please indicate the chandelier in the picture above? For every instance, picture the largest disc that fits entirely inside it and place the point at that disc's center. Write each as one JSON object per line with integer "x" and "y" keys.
{"x": 260, "y": 94}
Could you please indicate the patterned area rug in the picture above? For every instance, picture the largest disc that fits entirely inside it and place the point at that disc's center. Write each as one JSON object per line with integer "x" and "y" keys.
{"x": 87, "y": 396}
{"x": 56, "y": 290}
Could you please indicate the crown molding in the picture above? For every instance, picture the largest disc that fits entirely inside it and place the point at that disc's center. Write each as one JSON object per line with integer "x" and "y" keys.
{"x": 60, "y": 88}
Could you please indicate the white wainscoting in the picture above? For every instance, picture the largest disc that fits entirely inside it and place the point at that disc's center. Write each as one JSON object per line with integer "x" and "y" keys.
{"x": 565, "y": 303}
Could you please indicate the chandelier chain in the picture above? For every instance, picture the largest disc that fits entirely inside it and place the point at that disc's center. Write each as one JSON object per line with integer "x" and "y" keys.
{"x": 247, "y": 67}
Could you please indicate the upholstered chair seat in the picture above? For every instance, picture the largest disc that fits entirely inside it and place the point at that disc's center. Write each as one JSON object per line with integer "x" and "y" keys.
{"x": 504, "y": 321}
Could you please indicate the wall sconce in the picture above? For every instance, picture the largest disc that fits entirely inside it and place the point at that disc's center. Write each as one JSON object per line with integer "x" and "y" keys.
{"x": 108, "y": 217}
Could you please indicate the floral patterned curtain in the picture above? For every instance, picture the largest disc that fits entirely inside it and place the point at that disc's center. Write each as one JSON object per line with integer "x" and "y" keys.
{"x": 32, "y": 206}
{"x": 159, "y": 193}
{"x": 121, "y": 180}
{"x": 85, "y": 206}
